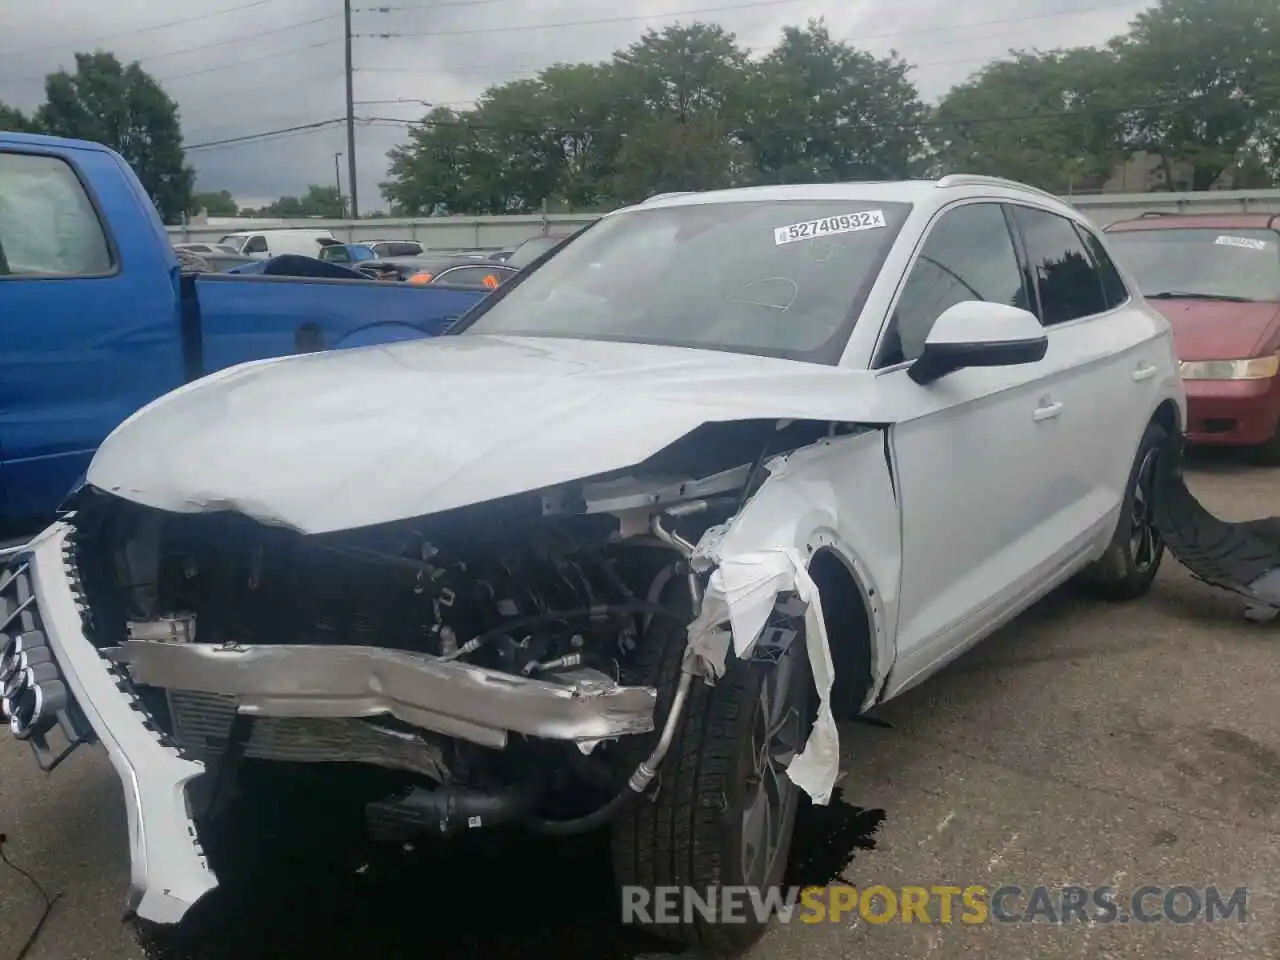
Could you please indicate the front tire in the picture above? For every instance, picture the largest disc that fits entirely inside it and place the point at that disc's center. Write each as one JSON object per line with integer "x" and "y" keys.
{"x": 1127, "y": 569}
{"x": 725, "y": 810}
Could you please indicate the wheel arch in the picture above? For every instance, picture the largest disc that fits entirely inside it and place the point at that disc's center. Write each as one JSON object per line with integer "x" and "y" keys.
{"x": 1169, "y": 416}
{"x": 852, "y": 614}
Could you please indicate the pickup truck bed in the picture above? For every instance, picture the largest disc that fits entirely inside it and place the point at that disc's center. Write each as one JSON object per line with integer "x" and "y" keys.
{"x": 81, "y": 351}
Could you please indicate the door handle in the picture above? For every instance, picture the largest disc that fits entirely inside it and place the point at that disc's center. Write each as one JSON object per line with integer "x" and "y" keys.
{"x": 1047, "y": 412}
{"x": 1144, "y": 373}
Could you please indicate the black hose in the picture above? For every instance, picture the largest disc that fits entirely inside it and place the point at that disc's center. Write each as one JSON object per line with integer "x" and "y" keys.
{"x": 534, "y": 619}
{"x": 622, "y": 801}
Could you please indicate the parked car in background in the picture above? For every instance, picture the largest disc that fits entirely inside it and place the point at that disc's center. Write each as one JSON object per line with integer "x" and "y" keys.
{"x": 389, "y": 249}
{"x": 1216, "y": 277}
{"x": 296, "y": 265}
{"x": 264, "y": 244}
{"x": 488, "y": 276}
{"x": 205, "y": 248}
{"x": 212, "y": 262}
{"x": 531, "y": 250}
{"x": 419, "y": 270}
{"x": 347, "y": 253}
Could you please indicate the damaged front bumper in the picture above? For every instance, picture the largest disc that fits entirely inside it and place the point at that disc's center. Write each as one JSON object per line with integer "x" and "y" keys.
{"x": 169, "y": 870}
{"x": 448, "y": 697}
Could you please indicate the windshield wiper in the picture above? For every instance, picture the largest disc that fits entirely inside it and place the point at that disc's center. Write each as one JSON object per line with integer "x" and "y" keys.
{"x": 1187, "y": 295}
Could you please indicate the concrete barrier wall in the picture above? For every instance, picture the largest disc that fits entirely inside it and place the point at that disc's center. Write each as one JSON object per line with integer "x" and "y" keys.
{"x": 467, "y": 233}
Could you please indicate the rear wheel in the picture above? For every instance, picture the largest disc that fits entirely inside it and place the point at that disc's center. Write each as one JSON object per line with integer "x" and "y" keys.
{"x": 725, "y": 809}
{"x": 1132, "y": 560}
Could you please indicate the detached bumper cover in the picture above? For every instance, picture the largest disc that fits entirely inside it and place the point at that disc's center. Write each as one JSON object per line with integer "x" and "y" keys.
{"x": 169, "y": 872}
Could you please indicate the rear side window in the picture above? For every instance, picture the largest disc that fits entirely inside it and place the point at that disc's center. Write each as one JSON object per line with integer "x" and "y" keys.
{"x": 1067, "y": 281}
{"x": 401, "y": 249}
{"x": 48, "y": 227}
{"x": 487, "y": 277}
{"x": 1113, "y": 288}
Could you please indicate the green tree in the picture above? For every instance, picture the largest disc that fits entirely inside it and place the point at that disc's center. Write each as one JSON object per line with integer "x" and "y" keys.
{"x": 430, "y": 174}
{"x": 586, "y": 106}
{"x": 220, "y": 204}
{"x": 821, "y": 110}
{"x": 126, "y": 109}
{"x": 686, "y": 90}
{"x": 11, "y": 118}
{"x": 516, "y": 161}
{"x": 1206, "y": 76}
{"x": 1049, "y": 119}
{"x": 318, "y": 201}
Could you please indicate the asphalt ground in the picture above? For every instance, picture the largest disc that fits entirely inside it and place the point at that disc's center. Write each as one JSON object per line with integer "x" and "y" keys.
{"x": 1086, "y": 744}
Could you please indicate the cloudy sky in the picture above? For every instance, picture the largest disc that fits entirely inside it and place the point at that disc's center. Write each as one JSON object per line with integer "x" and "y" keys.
{"x": 244, "y": 67}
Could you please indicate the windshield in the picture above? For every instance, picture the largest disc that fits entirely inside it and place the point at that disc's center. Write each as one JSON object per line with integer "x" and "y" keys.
{"x": 234, "y": 240}
{"x": 774, "y": 278}
{"x": 1227, "y": 263}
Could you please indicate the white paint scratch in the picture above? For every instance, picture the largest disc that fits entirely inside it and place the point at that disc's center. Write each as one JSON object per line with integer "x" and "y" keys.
{"x": 937, "y": 831}
{"x": 998, "y": 859}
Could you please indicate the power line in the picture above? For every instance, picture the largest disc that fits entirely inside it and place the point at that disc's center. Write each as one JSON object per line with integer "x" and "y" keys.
{"x": 263, "y": 135}
{"x": 910, "y": 125}
{"x": 240, "y": 39}
{"x": 221, "y": 43}
{"x": 472, "y": 68}
{"x": 553, "y": 131}
{"x": 240, "y": 63}
{"x": 578, "y": 23}
{"x": 426, "y": 6}
{"x": 129, "y": 33}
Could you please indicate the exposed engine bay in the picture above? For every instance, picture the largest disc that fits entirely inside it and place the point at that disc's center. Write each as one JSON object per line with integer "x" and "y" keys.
{"x": 475, "y": 667}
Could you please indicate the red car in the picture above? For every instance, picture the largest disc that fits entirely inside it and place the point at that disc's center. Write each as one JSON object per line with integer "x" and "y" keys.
{"x": 1216, "y": 277}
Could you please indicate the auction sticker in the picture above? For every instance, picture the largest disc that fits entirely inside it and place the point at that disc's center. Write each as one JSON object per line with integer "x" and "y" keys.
{"x": 1247, "y": 243}
{"x": 829, "y": 226}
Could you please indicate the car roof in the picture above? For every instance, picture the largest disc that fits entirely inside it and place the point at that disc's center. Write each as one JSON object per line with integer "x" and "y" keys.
{"x": 52, "y": 143}
{"x": 1207, "y": 221}
{"x": 925, "y": 193}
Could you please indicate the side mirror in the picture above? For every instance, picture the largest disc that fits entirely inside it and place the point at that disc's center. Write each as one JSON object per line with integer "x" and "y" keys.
{"x": 976, "y": 333}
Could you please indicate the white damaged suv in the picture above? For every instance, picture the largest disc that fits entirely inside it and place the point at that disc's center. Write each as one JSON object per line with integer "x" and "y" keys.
{"x": 620, "y": 549}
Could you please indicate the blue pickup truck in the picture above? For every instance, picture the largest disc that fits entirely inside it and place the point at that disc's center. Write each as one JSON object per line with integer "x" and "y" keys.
{"x": 97, "y": 320}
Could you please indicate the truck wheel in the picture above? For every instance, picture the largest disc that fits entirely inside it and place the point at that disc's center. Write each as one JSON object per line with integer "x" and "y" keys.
{"x": 724, "y": 810}
{"x": 1132, "y": 560}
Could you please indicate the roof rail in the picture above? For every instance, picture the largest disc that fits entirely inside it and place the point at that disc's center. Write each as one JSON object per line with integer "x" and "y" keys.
{"x": 664, "y": 196}
{"x": 978, "y": 180}
{"x": 1153, "y": 213}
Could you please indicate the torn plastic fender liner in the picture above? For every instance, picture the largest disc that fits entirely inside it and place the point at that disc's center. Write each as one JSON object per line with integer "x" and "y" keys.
{"x": 743, "y": 591}
{"x": 1241, "y": 557}
{"x": 836, "y": 494}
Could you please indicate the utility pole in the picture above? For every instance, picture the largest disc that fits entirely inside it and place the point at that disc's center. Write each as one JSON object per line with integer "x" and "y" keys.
{"x": 351, "y": 114}
{"x": 337, "y": 179}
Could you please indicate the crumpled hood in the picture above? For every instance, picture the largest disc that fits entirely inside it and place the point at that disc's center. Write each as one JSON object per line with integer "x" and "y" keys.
{"x": 334, "y": 441}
